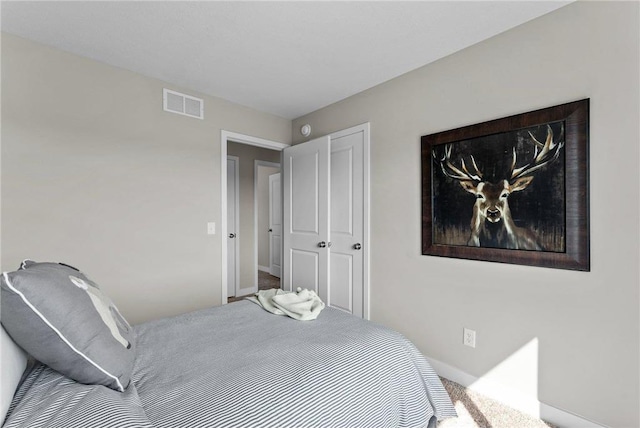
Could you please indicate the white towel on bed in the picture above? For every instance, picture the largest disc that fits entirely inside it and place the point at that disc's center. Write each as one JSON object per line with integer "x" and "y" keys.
{"x": 264, "y": 299}
{"x": 303, "y": 305}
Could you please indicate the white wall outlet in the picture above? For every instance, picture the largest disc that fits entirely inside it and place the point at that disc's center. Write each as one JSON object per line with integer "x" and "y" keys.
{"x": 211, "y": 228}
{"x": 469, "y": 337}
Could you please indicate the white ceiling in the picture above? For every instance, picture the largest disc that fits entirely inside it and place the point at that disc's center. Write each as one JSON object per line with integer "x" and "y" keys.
{"x": 286, "y": 58}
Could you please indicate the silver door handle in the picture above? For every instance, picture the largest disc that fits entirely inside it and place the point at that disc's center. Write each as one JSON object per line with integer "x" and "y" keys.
{"x": 357, "y": 246}
{"x": 232, "y": 235}
{"x": 322, "y": 244}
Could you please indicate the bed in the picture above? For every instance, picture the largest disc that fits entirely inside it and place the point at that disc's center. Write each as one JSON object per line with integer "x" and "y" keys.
{"x": 239, "y": 366}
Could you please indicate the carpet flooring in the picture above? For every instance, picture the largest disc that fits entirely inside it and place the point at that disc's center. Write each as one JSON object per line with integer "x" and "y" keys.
{"x": 265, "y": 282}
{"x": 477, "y": 411}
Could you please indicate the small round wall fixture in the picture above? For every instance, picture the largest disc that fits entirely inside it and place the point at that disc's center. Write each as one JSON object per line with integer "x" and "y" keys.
{"x": 305, "y": 130}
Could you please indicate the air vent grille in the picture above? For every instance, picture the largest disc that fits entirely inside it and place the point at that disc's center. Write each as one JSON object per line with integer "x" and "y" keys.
{"x": 183, "y": 104}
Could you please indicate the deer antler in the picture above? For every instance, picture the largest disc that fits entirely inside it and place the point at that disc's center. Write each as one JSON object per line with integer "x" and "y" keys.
{"x": 549, "y": 152}
{"x": 450, "y": 170}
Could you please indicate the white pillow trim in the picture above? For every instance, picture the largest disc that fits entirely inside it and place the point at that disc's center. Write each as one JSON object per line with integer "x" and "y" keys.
{"x": 64, "y": 339}
{"x": 23, "y": 265}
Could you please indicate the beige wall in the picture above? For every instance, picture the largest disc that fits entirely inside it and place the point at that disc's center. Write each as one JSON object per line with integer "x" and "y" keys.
{"x": 96, "y": 174}
{"x": 248, "y": 155}
{"x": 586, "y": 324}
{"x": 263, "y": 213}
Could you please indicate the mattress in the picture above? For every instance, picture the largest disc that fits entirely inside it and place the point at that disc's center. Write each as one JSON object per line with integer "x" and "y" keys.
{"x": 240, "y": 366}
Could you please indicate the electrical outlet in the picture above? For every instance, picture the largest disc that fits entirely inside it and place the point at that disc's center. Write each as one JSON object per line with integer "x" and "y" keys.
{"x": 469, "y": 337}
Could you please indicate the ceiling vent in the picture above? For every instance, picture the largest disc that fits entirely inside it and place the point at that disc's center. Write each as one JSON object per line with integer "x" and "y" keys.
{"x": 183, "y": 104}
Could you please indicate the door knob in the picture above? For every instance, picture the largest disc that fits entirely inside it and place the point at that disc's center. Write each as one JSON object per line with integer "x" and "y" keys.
{"x": 322, "y": 244}
{"x": 270, "y": 230}
{"x": 357, "y": 246}
{"x": 232, "y": 235}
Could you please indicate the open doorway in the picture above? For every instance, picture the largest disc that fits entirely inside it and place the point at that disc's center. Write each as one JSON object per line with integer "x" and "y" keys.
{"x": 257, "y": 160}
{"x": 250, "y": 234}
{"x": 268, "y": 219}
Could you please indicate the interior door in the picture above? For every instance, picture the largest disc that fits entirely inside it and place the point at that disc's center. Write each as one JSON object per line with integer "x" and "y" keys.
{"x": 232, "y": 224}
{"x": 275, "y": 224}
{"x": 305, "y": 175}
{"x": 346, "y": 282}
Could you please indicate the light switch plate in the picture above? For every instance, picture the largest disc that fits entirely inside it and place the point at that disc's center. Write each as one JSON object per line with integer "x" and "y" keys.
{"x": 211, "y": 228}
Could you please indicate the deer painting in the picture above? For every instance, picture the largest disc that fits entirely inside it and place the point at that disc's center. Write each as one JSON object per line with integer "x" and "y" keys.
{"x": 492, "y": 223}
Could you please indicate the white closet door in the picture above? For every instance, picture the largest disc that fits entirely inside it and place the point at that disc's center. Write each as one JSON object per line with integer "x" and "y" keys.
{"x": 346, "y": 281}
{"x": 326, "y": 203}
{"x": 305, "y": 175}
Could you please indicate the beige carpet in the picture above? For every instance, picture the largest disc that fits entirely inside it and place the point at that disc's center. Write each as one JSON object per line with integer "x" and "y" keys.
{"x": 477, "y": 411}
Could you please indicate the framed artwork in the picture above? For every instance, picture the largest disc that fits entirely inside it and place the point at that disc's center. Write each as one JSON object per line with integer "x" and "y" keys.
{"x": 511, "y": 190}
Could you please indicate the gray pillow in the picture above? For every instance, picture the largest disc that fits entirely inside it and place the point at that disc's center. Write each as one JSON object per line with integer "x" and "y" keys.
{"x": 61, "y": 318}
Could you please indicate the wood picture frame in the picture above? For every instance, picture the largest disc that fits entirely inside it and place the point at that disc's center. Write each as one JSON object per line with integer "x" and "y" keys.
{"x": 510, "y": 190}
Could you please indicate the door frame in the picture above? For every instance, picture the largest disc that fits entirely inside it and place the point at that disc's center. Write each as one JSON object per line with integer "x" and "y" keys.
{"x": 235, "y": 159}
{"x": 271, "y": 204}
{"x": 225, "y": 137}
{"x": 258, "y": 163}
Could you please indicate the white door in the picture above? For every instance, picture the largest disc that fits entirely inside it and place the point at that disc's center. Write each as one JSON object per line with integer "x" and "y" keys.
{"x": 233, "y": 193}
{"x": 305, "y": 175}
{"x": 346, "y": 281}
{"x": 275, "y": 224}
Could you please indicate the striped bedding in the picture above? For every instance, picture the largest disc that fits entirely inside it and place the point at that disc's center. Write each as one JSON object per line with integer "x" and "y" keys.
{"x": 48, "y": 399}
{"x": 239, "y": 366}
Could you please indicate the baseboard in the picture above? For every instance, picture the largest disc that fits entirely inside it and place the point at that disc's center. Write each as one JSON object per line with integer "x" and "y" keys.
{"x": 513, "y": 398}
{"x": 264, "y": 269}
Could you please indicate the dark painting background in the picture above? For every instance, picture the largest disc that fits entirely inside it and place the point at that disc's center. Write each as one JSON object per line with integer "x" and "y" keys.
{"x": 540, "y": 207}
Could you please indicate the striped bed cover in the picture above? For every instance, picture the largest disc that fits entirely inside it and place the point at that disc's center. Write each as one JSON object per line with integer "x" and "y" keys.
{"x": 239, "y": 366}
{"x": 48, "y": 399}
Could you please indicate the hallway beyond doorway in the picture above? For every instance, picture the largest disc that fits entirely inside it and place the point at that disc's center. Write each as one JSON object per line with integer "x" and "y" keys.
{"x": 265, "y": 282}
